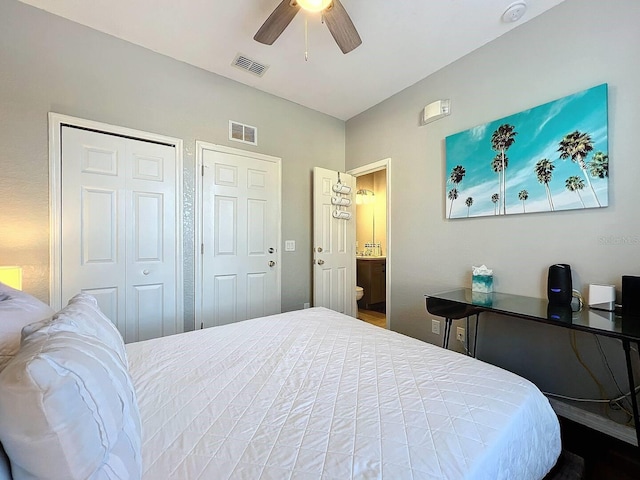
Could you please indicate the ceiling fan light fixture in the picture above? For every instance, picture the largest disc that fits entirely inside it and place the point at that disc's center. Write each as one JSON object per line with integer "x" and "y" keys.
{"x": 333, "y": 13}
{"x": 313, "y": 5}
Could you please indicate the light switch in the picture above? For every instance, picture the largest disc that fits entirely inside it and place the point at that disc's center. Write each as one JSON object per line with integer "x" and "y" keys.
{"x": 289, "y": 245}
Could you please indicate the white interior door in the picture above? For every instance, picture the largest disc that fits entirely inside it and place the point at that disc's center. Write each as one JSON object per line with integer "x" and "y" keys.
{"x": 334, "y": 240}
{"x": 119, "y": 229}
{"x": 240, "y": 236}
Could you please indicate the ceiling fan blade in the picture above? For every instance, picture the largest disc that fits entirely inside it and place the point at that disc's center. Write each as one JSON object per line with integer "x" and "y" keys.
{"x": 341, "y": 27}
{"x": 273, "y": 27}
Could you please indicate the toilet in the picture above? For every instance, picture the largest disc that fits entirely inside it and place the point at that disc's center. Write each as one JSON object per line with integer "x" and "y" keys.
{"x": 359, "y": 295}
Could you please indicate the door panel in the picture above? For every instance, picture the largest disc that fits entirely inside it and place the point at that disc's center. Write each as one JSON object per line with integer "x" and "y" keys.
{"x": 148, "y": 168}
{"x": 225, "y": 221}
{"x": 256, "y": 227}
{"x": 93, "y": 220}
{"x": 224, "y": 305}
{"x": 99, "y": 227}
{"x": 100, "y": 161}
{"x": 257, "y": 288}
{"x": 119, "y": 231}
{"x": 148, "y": 301}
{"x": 148, "y": 233}
{"x": 151, "y": 240}
{"x": 241, "y": 236}
{"x": 333, "y": 244}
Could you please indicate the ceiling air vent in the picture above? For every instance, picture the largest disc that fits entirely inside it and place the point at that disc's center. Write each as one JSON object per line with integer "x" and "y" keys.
{"x": 240, "y": 132}
{"x": 245, "y": 63}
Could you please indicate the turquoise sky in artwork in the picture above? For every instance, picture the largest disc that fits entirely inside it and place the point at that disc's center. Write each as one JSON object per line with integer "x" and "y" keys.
{"x": 539, "y": 132}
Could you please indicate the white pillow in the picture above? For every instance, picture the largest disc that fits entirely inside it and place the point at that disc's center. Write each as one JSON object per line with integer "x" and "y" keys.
{"x": 68, "y": 408}
{"x": 81, "y": 315}
{"x": 17, "y": 309}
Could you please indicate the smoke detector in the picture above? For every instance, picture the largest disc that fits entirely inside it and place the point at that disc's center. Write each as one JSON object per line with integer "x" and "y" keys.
{"x": 514, "y": 12}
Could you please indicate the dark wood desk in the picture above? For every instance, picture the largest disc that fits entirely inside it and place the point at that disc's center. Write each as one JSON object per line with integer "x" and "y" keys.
{"x": 463, "y": 302}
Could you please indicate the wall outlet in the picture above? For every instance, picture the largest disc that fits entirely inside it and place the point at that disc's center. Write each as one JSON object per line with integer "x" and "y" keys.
{"x": 435, "y": 326}
{"x": 289, "y": 245}
{"x": 460, "y": 334}
{"x": 306, "y": 305}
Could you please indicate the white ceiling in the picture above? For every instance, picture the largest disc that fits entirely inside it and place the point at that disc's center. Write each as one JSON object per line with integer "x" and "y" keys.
{"x": 403, "y": 41}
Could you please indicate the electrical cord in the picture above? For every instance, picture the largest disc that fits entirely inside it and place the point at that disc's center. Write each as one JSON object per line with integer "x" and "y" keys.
{"x": 574, "y": 347}
{"x": 610, "y": 403}
{"x": 575, "y": 399}
{"x": 613, "y": 403}
{"x": 616, "y": 403}
{"x": 576, "y": 294}
{"x": 593, "y": 400}
{"x": 601, "y": 389}
{"x": 606, "y": 363}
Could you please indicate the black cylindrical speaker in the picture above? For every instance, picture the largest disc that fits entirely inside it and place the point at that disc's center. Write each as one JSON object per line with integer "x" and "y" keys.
{"x": 630, "y": 295}
{"x": 559, "y": 287}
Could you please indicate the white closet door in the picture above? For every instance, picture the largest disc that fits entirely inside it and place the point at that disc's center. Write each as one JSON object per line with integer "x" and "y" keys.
{"x": 241, "y": 236}
{"x": 119, "y": 230}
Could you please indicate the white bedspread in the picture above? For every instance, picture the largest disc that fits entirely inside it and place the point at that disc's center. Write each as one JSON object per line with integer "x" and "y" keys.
{"x": 315, "y": 394}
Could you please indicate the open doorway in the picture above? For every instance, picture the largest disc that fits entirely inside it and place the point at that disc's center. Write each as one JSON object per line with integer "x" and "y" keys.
{"x": 373, "y": 242}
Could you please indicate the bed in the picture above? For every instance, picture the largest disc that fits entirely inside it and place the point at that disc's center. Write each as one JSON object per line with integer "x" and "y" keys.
{"x": 306, "y": 394}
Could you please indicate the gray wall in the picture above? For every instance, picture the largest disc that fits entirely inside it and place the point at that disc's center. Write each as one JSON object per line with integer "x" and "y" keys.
{"x": 50, "y": 64}
{"x": 574, "y": 46}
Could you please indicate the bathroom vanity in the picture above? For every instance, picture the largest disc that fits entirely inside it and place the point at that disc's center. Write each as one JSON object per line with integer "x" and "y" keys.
{"x": 372, "y": 277}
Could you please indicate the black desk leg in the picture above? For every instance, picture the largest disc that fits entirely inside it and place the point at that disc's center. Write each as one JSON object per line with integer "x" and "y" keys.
{"x": 471, "y": 352}
{"x": 447, "y": 331}
{"x": 475, "y": 335}
{"x": 632, "y": 388}
{"x": 466, "y": 340}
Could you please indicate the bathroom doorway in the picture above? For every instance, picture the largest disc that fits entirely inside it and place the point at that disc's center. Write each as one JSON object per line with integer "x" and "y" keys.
{"x": 373, "y": 243}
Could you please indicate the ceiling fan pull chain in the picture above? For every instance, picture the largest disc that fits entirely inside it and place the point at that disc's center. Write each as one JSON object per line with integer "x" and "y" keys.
{"x": 306, "y": 40}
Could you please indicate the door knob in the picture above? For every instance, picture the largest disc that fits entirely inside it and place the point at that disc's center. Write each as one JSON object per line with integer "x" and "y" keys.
{"x": 145, "y": 272}
{"x": 320, "y": 262}
{"x": 271, "y": 263}
{"x": 319, "y": 249}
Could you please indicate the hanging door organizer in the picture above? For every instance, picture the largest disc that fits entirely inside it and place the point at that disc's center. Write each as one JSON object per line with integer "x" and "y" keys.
{"x": 341, "y": 200}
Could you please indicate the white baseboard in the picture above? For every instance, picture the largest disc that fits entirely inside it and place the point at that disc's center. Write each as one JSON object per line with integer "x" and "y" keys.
{"x": 594, "y": 421}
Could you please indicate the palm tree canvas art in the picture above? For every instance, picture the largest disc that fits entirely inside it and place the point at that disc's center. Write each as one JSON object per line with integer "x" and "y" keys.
{"x": 550, "y": 157}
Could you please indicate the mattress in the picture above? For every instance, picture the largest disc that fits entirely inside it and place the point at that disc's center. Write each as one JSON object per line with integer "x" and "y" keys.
{"x": 315, "y": 394}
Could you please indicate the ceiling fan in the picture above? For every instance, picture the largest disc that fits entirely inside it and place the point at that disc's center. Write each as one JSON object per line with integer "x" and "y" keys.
{"x": 333, "y": 13}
